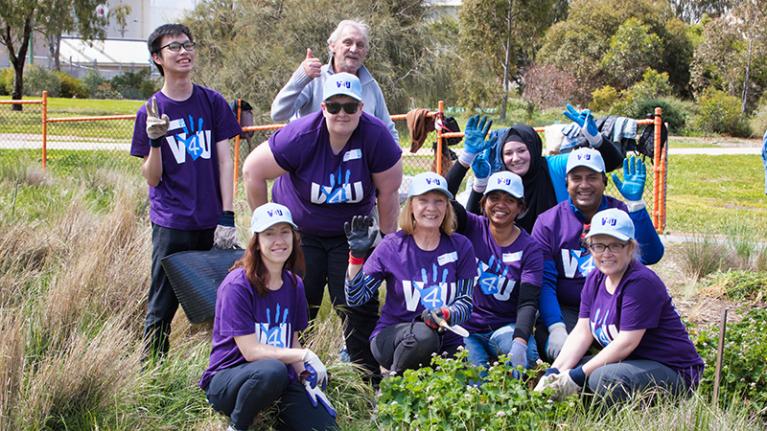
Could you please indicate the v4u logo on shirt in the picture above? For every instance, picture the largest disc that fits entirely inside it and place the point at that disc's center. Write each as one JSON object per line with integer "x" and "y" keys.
{"x": 275, "y": 331}
{"x": 192, "y": 140}
{"x": 339, "y": 191}
{"x": 493, "y": 279}
{"x": 430, "y": 293}
{"x": 577, "y": 260}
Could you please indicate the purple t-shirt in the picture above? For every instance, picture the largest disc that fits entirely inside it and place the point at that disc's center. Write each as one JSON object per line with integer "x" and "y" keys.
{"x": 500, "y": 270}
{"x": 558, "y": 230}
{"x": 417, "y": 279}
{"x": 641, "y": 301}
{"x": 188, "y": 196}
{"x": 240, "y": 310}
{"x": 323, "y": 190}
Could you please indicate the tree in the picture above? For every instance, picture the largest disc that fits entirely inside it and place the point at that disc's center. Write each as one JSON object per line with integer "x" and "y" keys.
{"x": 693, "y": 10}
{"x": 633, "y": 48}
{"x": 19, "y": 18}
{"x": 497, "y": 41}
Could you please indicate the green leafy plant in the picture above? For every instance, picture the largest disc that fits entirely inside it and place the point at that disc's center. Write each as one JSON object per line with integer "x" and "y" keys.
{"x": 744, "y": 368}
{"x": 738, "y": 285}
{"x": 71, "y": 86}
{"x": 719, "y": 112}
{"x": 446, "y": 397}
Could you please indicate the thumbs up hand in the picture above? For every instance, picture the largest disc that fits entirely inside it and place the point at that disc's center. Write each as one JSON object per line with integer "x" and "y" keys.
{"x": 311, "y": 65}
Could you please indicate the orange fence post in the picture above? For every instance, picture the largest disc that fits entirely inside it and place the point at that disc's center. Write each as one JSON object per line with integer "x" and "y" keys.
{"x": 656, "y": 198}
{"x": 438, "y": 153}
{"x": 45, "y": 129}
{"x": 236, "y": 164}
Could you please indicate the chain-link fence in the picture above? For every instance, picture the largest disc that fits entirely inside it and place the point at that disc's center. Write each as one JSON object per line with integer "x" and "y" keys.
{"x": 21, "y": 131}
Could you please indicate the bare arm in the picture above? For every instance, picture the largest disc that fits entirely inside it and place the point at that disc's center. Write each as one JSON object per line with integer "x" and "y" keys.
{"x": 225, "y": 174}
{"x": 258, "y": 167}
{"x": 151, "y": 169}
{"x": 387, "y": 183}
{"x": 578, "y": 341}
{"x": 299, "y": 365}
{"x": 253, "y": 350}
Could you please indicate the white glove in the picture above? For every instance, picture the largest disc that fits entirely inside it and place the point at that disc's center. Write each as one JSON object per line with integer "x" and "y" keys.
{"x": 225, "y": 237}
{"x": 312, "y": 362}
{"x": 156, "y": 126}
{"x": 564, "y": 386}
{"x": 557, "y": 337}
{"x": 545, "y": 382}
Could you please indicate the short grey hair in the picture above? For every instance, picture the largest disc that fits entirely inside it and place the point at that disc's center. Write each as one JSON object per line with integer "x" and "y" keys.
{"x": 358, "y": 24}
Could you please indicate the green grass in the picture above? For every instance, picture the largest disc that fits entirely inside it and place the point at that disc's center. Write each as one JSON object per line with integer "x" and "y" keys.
{"x": 706, "y": 194}
{"x": 58, "y": 105}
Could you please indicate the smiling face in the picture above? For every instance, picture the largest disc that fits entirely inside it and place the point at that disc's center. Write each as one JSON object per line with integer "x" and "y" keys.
{"x": 586, "y": 188}
{"x": 501, "y": 208}
{"x": 516, "y": 157}
{"x": 613, "y": 259}
{"x": 276, "y": 243}
{"x": 180, "y": 62}
{"x": 349, "y": 50}
{"x": 341, "y": 124}
{"x": 429, "y": 210}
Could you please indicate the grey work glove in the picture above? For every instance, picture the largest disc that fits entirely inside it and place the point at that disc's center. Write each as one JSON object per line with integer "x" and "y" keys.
{"x": 557, "y": 337}
{"x": 360, "y": 236}
{"x": 518, "y": 354}
{"x": 225, "y": 236}
{"x": 156, "y": 125}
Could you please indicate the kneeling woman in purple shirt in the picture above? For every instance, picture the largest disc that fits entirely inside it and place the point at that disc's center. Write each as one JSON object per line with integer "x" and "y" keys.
{"x": 256, "y": 359}
{"x": 625, "y": 307}
{"x": 429, "y": 272}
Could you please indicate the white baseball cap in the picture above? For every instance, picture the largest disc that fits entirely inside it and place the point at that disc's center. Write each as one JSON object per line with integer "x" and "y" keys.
{"x": 427, "y": 182}
{"x": 344, "y": 84}
{"x": 506, "y": 181}
{"x": 268, "y": 215}
{"x": 587, "y": 157}
{"x": 612, "y": 222}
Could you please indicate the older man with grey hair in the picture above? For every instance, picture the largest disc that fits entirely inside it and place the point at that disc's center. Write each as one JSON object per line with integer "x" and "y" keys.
{"x": 348, "y": 47}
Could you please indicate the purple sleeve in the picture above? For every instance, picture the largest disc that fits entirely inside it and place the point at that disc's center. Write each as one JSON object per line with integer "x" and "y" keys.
{"x": 301, "y": 315}
{"x": 542, "y": 236}
{"x": 588, "y": 293}
{"x": 643, "y": 299}
{"x": 139, "y": 146}
{"x": 236, "y": 312}
{"x": 532, "y": 265}
{"x": 286, "y": 154}
{"x": 386, "y": 152}
{"x": 226, "y": 126}
{"x": 375, "y": 266}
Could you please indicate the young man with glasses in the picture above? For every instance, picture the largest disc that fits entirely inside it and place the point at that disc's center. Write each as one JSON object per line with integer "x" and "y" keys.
{"x": 348, "y": 47}
{"x": 561, "y": 231}
{"x": 331, "y": 165}
{"x": 182, "y": 133}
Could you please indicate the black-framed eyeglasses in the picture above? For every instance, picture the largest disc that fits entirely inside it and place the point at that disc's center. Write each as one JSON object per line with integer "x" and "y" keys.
{"x": 335, "y": 107}
{"x": 176, "y": 46}
{"x": 598, "y": 247}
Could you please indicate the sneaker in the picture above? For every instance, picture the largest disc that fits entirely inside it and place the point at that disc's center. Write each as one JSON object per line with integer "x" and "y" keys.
{"x": 344, "y": 354}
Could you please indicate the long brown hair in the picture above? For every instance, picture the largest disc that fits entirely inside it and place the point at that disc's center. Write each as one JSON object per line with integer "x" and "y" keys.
{"x": 255, "y": 269}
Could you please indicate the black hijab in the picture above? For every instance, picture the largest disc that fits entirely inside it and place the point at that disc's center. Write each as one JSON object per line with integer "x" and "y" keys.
{"x": 539, "y": 192}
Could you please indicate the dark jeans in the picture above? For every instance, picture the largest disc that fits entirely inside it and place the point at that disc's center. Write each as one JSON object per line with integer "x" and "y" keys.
{"x": 615, "y": 383}
{"x": 243, "y": 391}
{"x": 405, "y": 346}
{"x": 326, "y": 263}
{"x": 570, "y": 316}
{"x": 162, "y": 302}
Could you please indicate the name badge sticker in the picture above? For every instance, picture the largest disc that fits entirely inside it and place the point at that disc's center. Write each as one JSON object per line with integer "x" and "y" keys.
{"x": 353, "y": 154}
{"x": 447, "y": 258}
{"x": 512, "y": 257}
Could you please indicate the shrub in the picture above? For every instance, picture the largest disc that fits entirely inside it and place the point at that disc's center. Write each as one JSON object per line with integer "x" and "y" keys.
{"x": 548, "y": 87}
{"x": 701, "y": 257}
{"x": 744, "y": 369}
{"x": 105, "y": 91}
{"x": 6, "y": 81}
{"x": 443, "y": 396}
{"x": 602, "y": 99}
{"x": 92, "y": 80}
{"x": 738, "y": 285}
{"x": 37, "y": 79}
{"x": 759, "y": 120}
{"x": 135, "y": 85}
{"x": 72, "y": 87}
{"x": 654, "y": 84}
{"x": 719, "y": 112}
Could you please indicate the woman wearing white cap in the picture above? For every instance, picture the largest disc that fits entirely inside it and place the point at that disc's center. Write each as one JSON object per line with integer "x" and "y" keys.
{"x": 429, "y": 272}
{"x": 256, "y": 359}
{"x": 626, "y": 308}
{"x": 332, "y": 165}
{"x": 510, "y": 267}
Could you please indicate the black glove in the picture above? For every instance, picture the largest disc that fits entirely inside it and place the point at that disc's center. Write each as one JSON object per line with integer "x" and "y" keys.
{"x": 433, "y": 317}
{"x": 359, "y": 235}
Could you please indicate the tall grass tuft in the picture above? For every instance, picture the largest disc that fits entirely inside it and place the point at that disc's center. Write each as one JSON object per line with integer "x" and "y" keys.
{"x": 701, "y": 256}
{"x": 12, "y": 330}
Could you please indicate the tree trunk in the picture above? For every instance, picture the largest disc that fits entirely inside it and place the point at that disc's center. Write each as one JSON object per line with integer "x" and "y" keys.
{"x": 746, "y": 79}
{"x": 18, "y": 83}
{"x": 506, "y": 64}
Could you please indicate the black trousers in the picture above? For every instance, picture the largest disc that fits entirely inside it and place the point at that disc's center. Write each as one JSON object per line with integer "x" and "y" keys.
{"x": 162, "y": 302}
{"x": 327, "y": 259}
{"x": 243, "y": 391}
{"x": 405, "y": 346}
{"x": 570, "y": 316}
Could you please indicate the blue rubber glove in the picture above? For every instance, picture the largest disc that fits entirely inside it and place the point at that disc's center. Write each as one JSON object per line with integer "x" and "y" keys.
{"x": 474, "y": 141}
{"x": 316, "y": 397}
{"x": 586, "y": 122}
{"x": 634, "y": 177}
{"x": 481, "y": 168}
{"x": 518, "y": 354}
